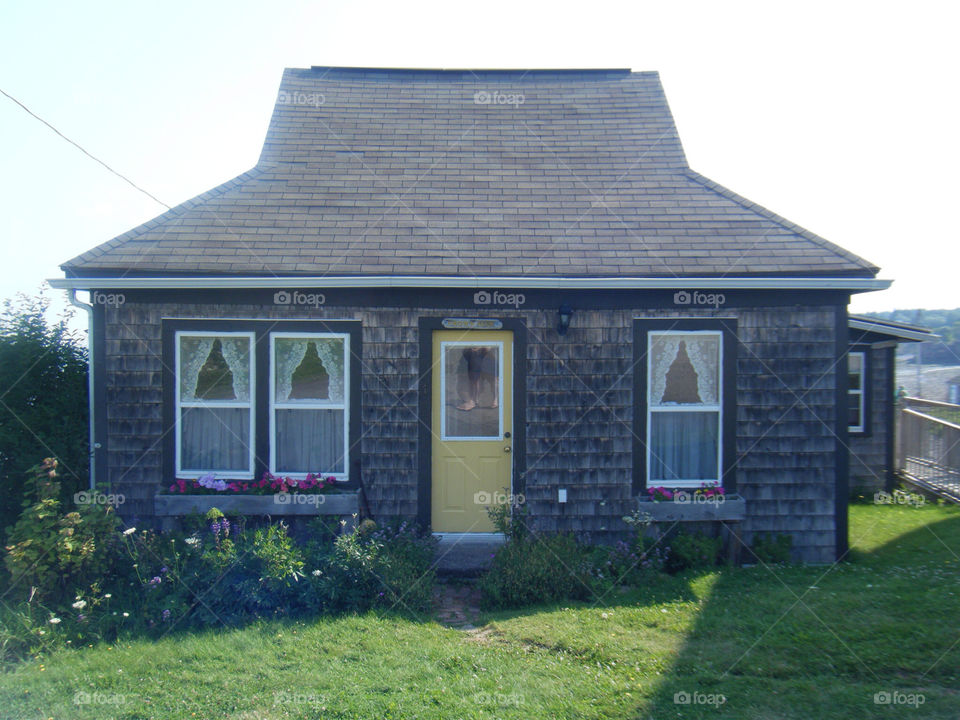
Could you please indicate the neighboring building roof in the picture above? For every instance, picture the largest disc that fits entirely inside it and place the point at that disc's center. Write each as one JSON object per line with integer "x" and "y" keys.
{"x": 541, "y": 173}
{"x": 888, "y": 329}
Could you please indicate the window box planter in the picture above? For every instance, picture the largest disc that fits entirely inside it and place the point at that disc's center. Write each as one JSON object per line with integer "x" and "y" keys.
{"x": 732, "y": 509}
{"x": 346, "y": 502}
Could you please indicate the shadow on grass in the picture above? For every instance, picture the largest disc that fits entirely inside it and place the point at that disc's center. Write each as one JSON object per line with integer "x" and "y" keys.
{"x": 821, "y": 641}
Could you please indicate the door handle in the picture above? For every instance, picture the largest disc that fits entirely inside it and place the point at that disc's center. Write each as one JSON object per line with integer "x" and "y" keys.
{"x": 506, "y": 449}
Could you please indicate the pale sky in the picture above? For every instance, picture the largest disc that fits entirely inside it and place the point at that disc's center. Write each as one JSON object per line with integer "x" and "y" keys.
{"x": 840, "y": 116}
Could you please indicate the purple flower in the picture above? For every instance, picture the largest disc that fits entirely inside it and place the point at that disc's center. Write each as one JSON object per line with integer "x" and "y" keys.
{"x": 155, "y": 580}
{"x": 165, "y": 615}
{"x": 163, "y": 570}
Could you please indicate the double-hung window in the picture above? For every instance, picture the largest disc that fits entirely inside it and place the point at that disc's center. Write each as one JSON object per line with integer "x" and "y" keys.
{"x": 856, "y": 391}
{"x": 309, "y": 414}
{"x": 685, "y": 411}
{"x": 215, "y": 403}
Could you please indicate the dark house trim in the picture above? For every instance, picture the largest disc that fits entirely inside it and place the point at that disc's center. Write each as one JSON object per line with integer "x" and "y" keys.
{"x": 728, "y": 428}
{"x": 890, "y": 420}
{"x": 867, "y": 387}
{"x": 426, "y": 327}
{"x": 262, "y": 330}
{"x": 841, "y": 434}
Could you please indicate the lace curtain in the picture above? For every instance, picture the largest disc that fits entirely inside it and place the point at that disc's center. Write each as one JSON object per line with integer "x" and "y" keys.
{"x": 704, "y": 354}
{"x": 195, "y": 350}
{"x": 289, "y": 353}
{"x": 683, "y": 445}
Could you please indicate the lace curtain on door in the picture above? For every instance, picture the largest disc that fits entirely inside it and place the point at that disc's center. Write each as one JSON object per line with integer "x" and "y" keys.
{"x": 703, "y": 352}
{"x": 195, "y": 351}
{"x": 290, "y": 353}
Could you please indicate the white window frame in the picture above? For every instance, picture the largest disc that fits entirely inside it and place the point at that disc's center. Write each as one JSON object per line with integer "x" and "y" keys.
{"x": 444, "y": 344}
{"x": 318, "y": 405}
{"x": 703, "y": 408}
{"x": 862, "y": 392}
{"x": 251, "y": 405}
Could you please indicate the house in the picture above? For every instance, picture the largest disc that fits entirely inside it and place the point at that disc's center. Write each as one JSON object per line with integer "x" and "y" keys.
{"x": 449, "y": 286}
{"x": 871, "y": 390}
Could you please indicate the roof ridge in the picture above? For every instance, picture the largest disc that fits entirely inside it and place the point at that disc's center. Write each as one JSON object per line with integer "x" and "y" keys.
{"x": 171, "y": 213}
{"x": 779, "y": 219}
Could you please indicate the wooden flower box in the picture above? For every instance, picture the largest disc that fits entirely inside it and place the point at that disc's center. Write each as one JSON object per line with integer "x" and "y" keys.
{"x": 333, "y": 503}
{"x": 732, "y": 509}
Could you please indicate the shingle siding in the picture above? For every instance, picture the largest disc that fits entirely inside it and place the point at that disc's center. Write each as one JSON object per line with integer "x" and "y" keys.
{"x": 869, "y": 454}
{"x": 579, "y": 412}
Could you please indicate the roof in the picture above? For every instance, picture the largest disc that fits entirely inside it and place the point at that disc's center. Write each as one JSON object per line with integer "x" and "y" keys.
{"x": 540, "y": 173}
{"x": 888, "y": 329}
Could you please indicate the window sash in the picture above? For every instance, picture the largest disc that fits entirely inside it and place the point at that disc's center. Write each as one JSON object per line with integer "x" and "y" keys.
{"x": 859, "y": 392}
{"x": 715, "y": 408}
{"x": 182, "y": 405}
{"x": 300, "y": 405}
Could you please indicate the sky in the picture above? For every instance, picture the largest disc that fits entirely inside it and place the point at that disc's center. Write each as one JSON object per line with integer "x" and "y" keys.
{"x": 840, "y": 116}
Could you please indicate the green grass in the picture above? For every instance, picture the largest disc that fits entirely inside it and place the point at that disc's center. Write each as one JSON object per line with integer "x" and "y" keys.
{"x": 778, "y": 642}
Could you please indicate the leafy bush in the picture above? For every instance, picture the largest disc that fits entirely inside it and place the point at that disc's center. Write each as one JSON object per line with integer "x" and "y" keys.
{"x": 56, "y": 554}
{"x": 692, "y": 551}
{"x": 43, "y": 377}
{"x": 772, "y": 548}
{"x": 537, "y": 569}
{"x": 388, "y": 568}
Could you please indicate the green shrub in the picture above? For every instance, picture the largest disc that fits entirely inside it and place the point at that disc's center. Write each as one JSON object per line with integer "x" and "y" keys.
{"x": 772, "y": 548}
{"x": 57, "y": 554}
{"x": 537, "y": 569}
{"x": 692, "y": 551}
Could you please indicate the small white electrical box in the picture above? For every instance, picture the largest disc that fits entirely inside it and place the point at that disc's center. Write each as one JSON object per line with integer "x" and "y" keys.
{"x": 561, "y": 495}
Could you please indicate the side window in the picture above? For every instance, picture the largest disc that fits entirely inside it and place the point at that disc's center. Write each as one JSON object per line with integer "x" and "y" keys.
{"x": 215, "y": 401}
{"x": 856, "y": 391}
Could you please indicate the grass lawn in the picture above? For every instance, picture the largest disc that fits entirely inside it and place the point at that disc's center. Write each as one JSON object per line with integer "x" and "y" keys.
{"x": 777, "y": 642}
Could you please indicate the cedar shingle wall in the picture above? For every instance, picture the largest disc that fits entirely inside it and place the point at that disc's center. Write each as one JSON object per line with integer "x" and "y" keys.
{"x": 579, "y": 413}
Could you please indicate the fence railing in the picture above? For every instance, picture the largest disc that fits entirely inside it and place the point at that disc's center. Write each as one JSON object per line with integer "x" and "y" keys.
{"x": 929, "y": 449}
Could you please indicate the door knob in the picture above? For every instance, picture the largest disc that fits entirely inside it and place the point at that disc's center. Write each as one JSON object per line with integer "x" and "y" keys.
{"x": 507, "y": 449}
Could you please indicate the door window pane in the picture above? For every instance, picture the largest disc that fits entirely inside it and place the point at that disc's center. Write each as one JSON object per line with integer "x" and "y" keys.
{"x": 471, "y": 390}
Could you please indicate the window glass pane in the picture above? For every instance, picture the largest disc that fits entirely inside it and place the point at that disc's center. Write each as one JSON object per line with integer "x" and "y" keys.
{"x": 214, "y": 368}
{"x": 854, "y": 418}
{"x": 684, "y": 369}
{"x": 310, "y": 441}
{"x": 309, "y": 370}
{"x": 471, "y": 391}
{"x": 683, "y": 446}
{"x": 215, "y": 439}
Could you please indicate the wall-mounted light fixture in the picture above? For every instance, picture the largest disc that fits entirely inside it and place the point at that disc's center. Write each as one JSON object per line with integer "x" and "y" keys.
{"x": 563, "y": 323}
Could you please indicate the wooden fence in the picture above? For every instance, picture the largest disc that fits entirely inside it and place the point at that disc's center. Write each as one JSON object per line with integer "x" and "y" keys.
{"x": 929, "y": 446}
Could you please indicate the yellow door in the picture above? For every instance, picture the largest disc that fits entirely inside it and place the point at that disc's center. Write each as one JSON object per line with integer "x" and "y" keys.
{"x": 472, "y": 425}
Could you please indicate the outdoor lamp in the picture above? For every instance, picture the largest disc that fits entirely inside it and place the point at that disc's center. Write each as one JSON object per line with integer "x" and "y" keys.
{"x": 563, "y": 324}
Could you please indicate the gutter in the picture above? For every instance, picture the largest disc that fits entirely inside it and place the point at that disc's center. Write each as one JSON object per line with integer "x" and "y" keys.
{"x": 440, "y": 281}
{"x": 72, "y": 297}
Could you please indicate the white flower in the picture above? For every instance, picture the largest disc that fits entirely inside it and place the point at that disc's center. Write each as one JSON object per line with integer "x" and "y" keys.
{"x": 192, "y": 541}
{"x": 79, "y": 605}
{"x": 129, "y": 531}
{"x": 316, "y": 573}
{"x": 107, "y": 596}
{"x": 126, "y": 614}
{"x": 54, "y": 621}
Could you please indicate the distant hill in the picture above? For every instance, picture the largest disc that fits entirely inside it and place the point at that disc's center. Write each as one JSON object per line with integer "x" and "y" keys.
{"x": 945, "y": 323}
